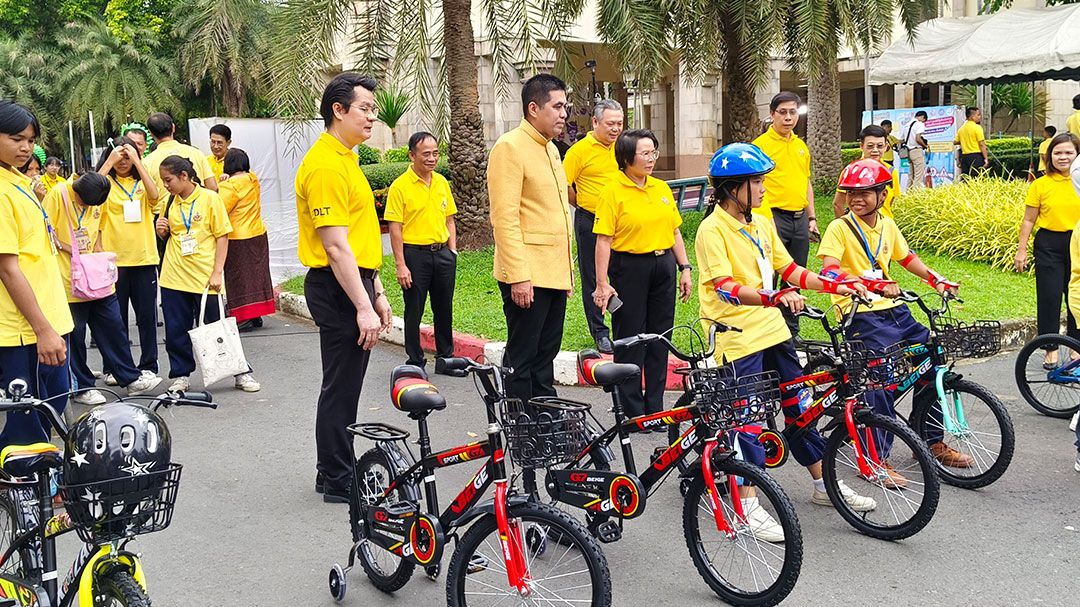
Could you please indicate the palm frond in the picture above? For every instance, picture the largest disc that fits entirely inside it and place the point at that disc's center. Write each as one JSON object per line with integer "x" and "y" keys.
{"x": 637, "y": 32}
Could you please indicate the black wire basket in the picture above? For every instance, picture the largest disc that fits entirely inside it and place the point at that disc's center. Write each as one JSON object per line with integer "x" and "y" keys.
{"x": 736, "y": 400}
{"x": 104, "y": 511}
{"x": 875, "y": 369}
{"x": 977, "y": 339}
{"x": 544, "y": 432}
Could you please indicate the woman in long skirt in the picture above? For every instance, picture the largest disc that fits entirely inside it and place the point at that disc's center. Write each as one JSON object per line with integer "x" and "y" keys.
{"x": 250, "y": 292}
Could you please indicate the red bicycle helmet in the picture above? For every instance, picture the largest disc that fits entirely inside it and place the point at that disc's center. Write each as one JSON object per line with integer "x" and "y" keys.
{"x": 863, "y": 175}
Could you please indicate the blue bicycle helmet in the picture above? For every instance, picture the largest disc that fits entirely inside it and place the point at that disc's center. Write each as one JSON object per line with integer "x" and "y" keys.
{"x": 739, "y": 161}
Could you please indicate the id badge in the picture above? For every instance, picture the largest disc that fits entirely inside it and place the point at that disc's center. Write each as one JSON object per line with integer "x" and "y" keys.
{"x": 766, "y": 270}
{"x": 187, "y": 244}
{"x": 875, "y": 274}
{"x": 132, "y": 211}
{"x": 82, "y": 239}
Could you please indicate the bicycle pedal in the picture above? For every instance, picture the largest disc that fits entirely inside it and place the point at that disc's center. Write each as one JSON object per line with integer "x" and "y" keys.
{"x": 608, "y": 532}
{"x": 400, "y": 508}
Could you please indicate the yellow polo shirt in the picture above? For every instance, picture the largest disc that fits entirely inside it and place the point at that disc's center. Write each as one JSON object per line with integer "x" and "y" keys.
{"x": 891, "y": 192}
{"x": 1072, "y": 123}
{"x": 23, "y": 232}
{"x": 84, "y": 217}
{"x": 888, "y": 156}
{"x": 134, "y": 243}
{"x": 242, "y": 197}
{"x": 723, "y": 250}
{"x": 1043, "y": 148}
{"x": 217, "y": 167}
{"x": 886, "y": 243}
{"x": 51, "y": 182}
{"x": 419, "y": 208}
{"x": 208, "y": 221}
{"x": 968, "y": 136}
{"x": 172, "y": 147}
{"x": 786, "y": 185}
{"x": 1073, "y": 299}
{"x": 1056, "y": 199}
{"x": 639, "y": 220}
{"x": 331, "y": 190}
{"x": 590, "y": 166}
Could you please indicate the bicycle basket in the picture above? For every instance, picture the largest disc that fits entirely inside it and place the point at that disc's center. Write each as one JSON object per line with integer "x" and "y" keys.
{"x": 104, "y": 511}
{"x": 978, "y": 339}
{"x": 544, "y": 432}
{"x": 875, "y": 369}
{"x": 736, "y": 400}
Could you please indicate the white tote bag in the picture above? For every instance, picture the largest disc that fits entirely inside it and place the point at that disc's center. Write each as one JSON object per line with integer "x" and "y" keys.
{"x": 216, "y": 346}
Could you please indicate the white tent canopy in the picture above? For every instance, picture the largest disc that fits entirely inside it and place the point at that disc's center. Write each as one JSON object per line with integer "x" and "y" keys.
{"x": 1016, "y": 45}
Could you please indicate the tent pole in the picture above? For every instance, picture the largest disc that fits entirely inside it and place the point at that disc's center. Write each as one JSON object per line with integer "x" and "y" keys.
{"x": 1032, "y": 164}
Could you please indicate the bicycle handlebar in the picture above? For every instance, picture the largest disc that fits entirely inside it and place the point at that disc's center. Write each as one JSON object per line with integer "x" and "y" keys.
{"x": 933, "y": 313}
{"x": 641, "y": 338}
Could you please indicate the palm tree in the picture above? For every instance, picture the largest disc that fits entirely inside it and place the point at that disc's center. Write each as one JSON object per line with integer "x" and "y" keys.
{"x": 815, "y": 31}
{"x": 28, "y": 78}
{"x": 224, "y": 41}
{"x": 393, "y": 104}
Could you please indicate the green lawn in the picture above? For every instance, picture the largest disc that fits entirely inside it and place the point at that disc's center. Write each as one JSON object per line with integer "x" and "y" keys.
{"x": 987, "y": 293}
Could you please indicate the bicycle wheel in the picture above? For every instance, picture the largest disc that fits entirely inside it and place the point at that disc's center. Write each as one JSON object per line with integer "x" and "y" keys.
{"x": 744, "y": 569}
{"x": 1052, "y": 392}
{"x": 9, "y": 528}
{"x": 574, "y": 572}
{"x": 986, "y": 437}
{"x": 904, "y": 484}
{"x": 117, "y": 588}
{"x": 387, "y": 571}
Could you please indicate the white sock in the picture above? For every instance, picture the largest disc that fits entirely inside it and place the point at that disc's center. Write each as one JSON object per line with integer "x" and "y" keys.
{"x": 819, "y": 484}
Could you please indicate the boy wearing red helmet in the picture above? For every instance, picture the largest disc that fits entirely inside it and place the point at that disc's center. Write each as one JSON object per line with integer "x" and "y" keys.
{"x": 862, "y": 244}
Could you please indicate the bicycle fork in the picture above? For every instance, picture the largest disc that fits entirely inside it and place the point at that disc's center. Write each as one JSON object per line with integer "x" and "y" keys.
{"x": 868, "y": 440}
{"x": 952, "y": 413}
{"x": 722, "y": 524}
{"x": 517, "y": 570}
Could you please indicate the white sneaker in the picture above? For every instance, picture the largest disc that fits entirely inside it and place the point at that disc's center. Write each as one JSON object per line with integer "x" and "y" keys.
{"x": 145, "y": 373}
{"x": 143, "y": 384}
{"x": 180, "y": 384}
{"x": 762, "y": 525}
{"x": 247, "y": 383}
{"x": 90, "y": 398}
{"x": 858, "y": 503}
{"x": 1076, "y": 466}
{"x": 110, "y": 380}
{"x": 1072, "y": 422}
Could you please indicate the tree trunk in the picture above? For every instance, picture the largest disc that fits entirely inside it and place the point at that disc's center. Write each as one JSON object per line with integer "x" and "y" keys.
{"x": 232, "y": 95}
{"x": 823, "y": 123}
{"x": 741, "y": 120}
{"x": 468, "y": 155}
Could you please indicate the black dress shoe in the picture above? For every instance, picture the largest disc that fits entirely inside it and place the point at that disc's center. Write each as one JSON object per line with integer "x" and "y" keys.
{"x": 604, "y": 345}
{"x": 318, "y": 482}
{"x": 440, "y": 369}
{"x": 335, "y": 496}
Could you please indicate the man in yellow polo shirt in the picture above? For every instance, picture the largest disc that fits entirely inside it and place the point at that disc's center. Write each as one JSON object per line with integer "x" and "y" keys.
{"x": 872, "y": 141}
{"x": 590, "y": 165}
{"x": 890, "y": 154}
{"x": 163, "y": 130}
{"x": 530, "y": 219}
{"x": 339, "y": 239}
{"x": 1072, "y": 123}
{"x": 973, "y": 153}
{"x": 420, "y": 212}
{"x": 220, "y": 139}
{"x": 1048, "y": 136}
{"x": 789, "y": 196}
{"x": 34, "y": 316}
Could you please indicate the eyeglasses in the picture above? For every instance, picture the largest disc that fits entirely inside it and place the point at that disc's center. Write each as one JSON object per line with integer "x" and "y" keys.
{"x": 653, "y": 155}
{"x": 371, "y": 110}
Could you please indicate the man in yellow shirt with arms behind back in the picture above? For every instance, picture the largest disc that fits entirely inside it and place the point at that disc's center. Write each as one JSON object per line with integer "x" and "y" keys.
{"x": 973, "y": 153}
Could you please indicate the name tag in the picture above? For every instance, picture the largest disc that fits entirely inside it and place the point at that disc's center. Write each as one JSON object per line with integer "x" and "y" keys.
{"x": 875, "y": 274}
{"x": 187, "y": 244}
{"x": 82, "y": 239}
{"x": 132, "y": 211}
{"x": 766, "y": 270}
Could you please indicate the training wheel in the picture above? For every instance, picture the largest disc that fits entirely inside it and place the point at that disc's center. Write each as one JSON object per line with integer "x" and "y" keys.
{"x": 776, "y": 452}
{"x": 433, "y": 571}
{"x": 337, "y": 583}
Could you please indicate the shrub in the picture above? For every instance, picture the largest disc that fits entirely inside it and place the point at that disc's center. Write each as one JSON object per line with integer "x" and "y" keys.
{"x": 381, "y": 175}
{"x": 977, "y": 219}
{"x": 847, "y": 156}
{"x": 400, "y": 154}
{"x": 1009, "y": 143}
{"x": 848, "y": 145}
{"x": 1011, "y": 164}
{"x": 368, "y": 155}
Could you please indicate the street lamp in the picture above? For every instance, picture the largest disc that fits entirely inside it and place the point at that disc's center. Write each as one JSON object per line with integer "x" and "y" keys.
{"x": 591, "y": 64}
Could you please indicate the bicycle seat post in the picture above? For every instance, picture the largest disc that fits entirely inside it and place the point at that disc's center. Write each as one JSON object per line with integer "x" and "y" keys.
{"x": 48, "y": 545}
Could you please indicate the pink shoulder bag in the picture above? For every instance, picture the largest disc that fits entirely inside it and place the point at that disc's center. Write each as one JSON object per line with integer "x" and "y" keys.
{"x": 92, "y": 274}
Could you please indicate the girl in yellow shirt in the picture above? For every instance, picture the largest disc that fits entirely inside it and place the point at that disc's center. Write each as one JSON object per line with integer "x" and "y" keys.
{"x": 196, "y": 227}
{"x": 247, "y": 268}
{"x": 52, "y": 175}
{"x": 1053, "y": 207}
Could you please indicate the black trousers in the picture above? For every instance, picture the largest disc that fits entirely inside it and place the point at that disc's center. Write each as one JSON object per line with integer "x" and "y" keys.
{"x": 586, "y": 254}
{"x": 344, "y": 364}
{"x": 533, "y": 336}
{"x": 1052, "y": 271}
{"x": 103, "y": 318}
{"x": 432, "y": 272}
{"x": 646, "y": 285}
{"x": 793, "y": 228}
{"x": 970, "y": 163}
{"x": 181, "y": 312}
{"x": 138, "y": 285}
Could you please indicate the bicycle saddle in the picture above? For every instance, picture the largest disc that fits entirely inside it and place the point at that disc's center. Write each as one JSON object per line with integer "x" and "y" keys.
{"x": 27, "y": 460}
{"x": 411, "y": 391}
{"x": 599, "y": 371}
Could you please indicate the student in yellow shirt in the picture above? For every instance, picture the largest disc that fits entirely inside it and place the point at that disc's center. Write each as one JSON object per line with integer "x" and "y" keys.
{"x": 420, "y": 212}
{"x": 220, "y": 139}
{"x": 862, "y": 245}
{"x": 1053, "y": 207}
{"x": 52, "y": 175}
{"x": 127, "y": 229}
{"x": 197, "y": 228}
{"x": 891, "y": 141}
{"x": 1072, "y": 123}
{"x": 590, "y": 165}
{"x": 33, "y": 171}
{"x": 163, "y": 130}
{"x": 34, "y": 318}
{"x": 641, "y": 258}
{"x": 1074, "y": 304}
{"x": 1048, "y": 134}
{"x": 973, "y": 153}
{"x": 75, "y": 210}
{"x": 247, "y": 268}
{"x": 738, "y": 255}
{"x": 872, "y": 142}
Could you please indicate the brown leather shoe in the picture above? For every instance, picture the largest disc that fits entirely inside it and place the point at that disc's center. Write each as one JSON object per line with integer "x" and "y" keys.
{"x": 892, "y": 480}
{"x": 950, "y": 457}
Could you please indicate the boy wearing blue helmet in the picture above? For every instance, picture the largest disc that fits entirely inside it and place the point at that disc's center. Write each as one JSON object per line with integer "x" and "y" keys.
{"x": 738, "y": 258}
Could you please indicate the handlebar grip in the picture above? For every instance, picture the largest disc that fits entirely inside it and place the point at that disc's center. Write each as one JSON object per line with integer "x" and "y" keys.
{"x": 457, "y": 363}
{"x": 811, "y": 312}
{"x": 197, "y": 399}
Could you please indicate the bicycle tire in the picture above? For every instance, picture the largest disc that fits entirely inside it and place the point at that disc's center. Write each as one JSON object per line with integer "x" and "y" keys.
{"x": 893, "y": 497}
{"x": 697, "y": 501}
{"x": 920, "y": 422}
{"x": 467, "y": 561}
{"x": 121, "y": 587}
{"x": 387, "y": 578}
{"x": 1024, "y": 383}
{"x": 9, "y": 528}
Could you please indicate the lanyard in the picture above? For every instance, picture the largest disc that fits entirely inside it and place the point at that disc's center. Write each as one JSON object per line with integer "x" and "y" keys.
{"x": 81, "y": 215}
{"x": 131, "y": 194}
{"x": 866, "y": 242}
{"x": 757, "y": 243}
{"x": 190, "y": 215}
{"x": 44, "y": 215}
